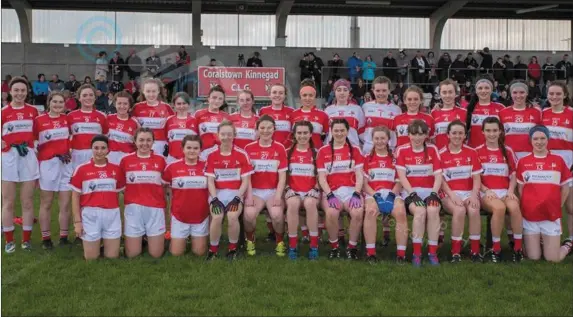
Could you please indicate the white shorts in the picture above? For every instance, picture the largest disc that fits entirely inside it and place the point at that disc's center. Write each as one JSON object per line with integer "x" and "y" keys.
{"x": 101, "y": 223}
{"x": 383, "y": 192}
{"x": 225, "y": 195}
{"x": 114, "y": 157}
{"x": 547, "y": 228}
{"x": 171, "y": 159}
{"x": 80, "y": 157}
{"x": 422, "y": 192}
{"x": 181, "y": 230}
{"x": 16, "y": 168}
{"x": 463, "y": 194}
{"x": 158, "y": 147}
{"x": 55, "y": 175}
{"x": 344, "y": 193}
{"x": 142, "y": 220}
{"x": 264, "y": 194}
{"x": 500, "y": 193}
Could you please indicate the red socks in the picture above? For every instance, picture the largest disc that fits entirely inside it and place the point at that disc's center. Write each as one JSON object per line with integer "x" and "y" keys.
{"x": 9, "y": 236}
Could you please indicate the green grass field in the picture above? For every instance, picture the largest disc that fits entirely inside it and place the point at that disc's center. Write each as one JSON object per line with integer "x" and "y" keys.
{"x": 60, "y": 282}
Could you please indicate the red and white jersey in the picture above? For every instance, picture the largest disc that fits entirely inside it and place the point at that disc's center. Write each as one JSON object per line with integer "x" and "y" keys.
{"x": 188, "y": 185}
{"x": 283, "y": 127}
{"x": 18, "y": 125}
{"x": 319, "y": 120}
{"x": 267, "y": 162}
{"x": 516, "y": 124}
{"x": 353, "y": 114}
{"x": 84, "y": 125}
{"x": 153, "y": 117}
{"x": 53, "y": 135}
{"x": 496, "y": 169}
{"x": 377, "y": 115}
{"x": 208, "y": 122}
{"x": 176, "y": 129}
{"x": 459, "y": 168}
{"x": 421, "y": 167}
{"x": 302, "y": 170}
{"x": 443, "y": 118}
{"x": 560, "y": 125}
{"x": 228, "y": 169}
{"x": 121, "y": 133}
{"x": 401, "y": 122}
{"x": 143, "y": 180}
{"x": 380, "y": 171}
{"x": 246, "y": 129}
{"x": 339, "y": 166}
{"x": 480, "y": 113}
{"x": 98, "y": 185}
{"x": 542, "y": 178}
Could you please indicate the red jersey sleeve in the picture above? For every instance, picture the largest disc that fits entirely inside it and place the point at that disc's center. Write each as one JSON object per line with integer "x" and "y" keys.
{"x": 120, "y": 180}
{"x": 476, "y": 164}
{"x": 437, "y": 166}
{"x": 320, "y": 160}
{"x": 246, "y": 166}
{"x": 400, "y": 161}
{"x": 512, "y": 160}
{"x": 358, "y": 158}
{"x": 566, "y": 176}
{"x": 104, "y": 125}
{"x": 519, "y": 172}
{"x": 325, "y": 123}
{"x": 76, "y": 180}
{"x": 283, "y": 164}
{"x": 209, "y": 169}
{"x": 166, "y": 177}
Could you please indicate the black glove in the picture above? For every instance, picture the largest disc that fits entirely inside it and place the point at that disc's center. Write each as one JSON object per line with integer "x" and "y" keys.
{"x": 65, "y": 158}
{"x": 433, "y": 200}
{"x": 22, "y": 148}
{"x": 166, "y": 150}
{"x": 233, "y": 206}
{"x": 217, "y": 206}
{"x": 414, "y": 198}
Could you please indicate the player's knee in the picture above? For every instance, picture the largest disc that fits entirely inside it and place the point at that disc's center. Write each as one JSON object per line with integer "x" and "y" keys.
{"x": 433, "y": 212}
{"x": 357, "y": 214}
{"x": 399, "y": 214}
{"x": 459, "y": 212}
{"x": 419, "y": 212}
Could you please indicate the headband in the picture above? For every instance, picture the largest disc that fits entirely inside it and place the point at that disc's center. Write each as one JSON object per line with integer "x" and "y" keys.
{"x": 539, "y": 128}
{"x": 307, "y": 89}
{"x": 518, "y": 85}
{"x": 341, "y": 82}
{"x": 484, "y": 80}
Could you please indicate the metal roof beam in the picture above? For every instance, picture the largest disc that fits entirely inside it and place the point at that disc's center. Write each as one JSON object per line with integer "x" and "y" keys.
{"x": 438, "y": 20}
{"x": 24, "y": 13}
{"x": 282, "y": 13}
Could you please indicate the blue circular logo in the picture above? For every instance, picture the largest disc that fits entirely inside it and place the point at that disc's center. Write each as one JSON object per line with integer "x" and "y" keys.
{"x": 93, "y": 29}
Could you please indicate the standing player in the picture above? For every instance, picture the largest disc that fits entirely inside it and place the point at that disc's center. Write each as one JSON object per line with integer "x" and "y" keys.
{"x": 460, "y": 189}
{"x": 188, "y": 182}
{"x": 144, "y": 196}
{"x": 245, "y": 120}
{"x": 480, "y": 108}
{"x": 309, "y": 112}
{"x": 208, "y": 119}
{"x": 53, "y": 134}
{"x": 413, "y": 98}
{"x": 420, "y": 174}
{"x": 302, "y": 189}
{"x": 498, "y": 187}
{"x": 380, "y": 191}
{"x": 122, "y": 128}
{"x": 340, "y": 109}
{"x": 558, "y": 119}
{"x": 280, "y": 113}
{"x": 152, "y": 113}
{"x": 446, "y": 112}
{"x": 518, "y": 119}
{"x": 267, "y": 184}
{"x": 85, "y": 123}
{"x": 179, "y": 125}
{"x": 19, "y": 163}
{"x": 340, "y": 176}
{"x": 543, "y": 187}
{"x": 229, "y": 173}
{"x": 95, "y": 202}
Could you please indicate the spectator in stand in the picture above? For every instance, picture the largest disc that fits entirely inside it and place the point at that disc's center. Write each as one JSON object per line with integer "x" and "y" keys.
{"x": 431, "y": 57}
{"x": 520, "y": 72}
{"x": 390, "y": 67}
{"x": 116, "y": 86}
{"x": 212, "y": 63}
{"x": 255, "y": 60}
{"x": 88, "y": 80}
{"x": 549, "y": 70}
{"x": 399, "y": 90}
{"x": 30, "y": 96}
{"x": 131, "y": 86}
{"x": 328, "y": 88}
{"x": 368, "y": 71}
{"x": 41, "y": 90}
{"x": 153, "y": 63}
{"x": 336, "y": 64}
{"x": 534, "y": 70}
{"x": 509, "y": 69}
{"x": 6, "y": 84}
{"x": 56, "y": 84}
{"x": 102, "y": 84}
{"x": 504, "y": 99}
{"x": 101, "y": 101}
{"x": 133, "y": 64}
{"x": 182, "y": 57}
{"x": 367, "y": 97}
{"x": 116, "y": 66}
{"x": 354, "y": 64}
{"x": 471, "y": 66}
{"x": 486, "y": 61}
{"x": 458, "y": 69}
{"x": 72, "y": 85}
{"x": 420, "y": 70}
{"x": 71, "y": 103}
{"x": 499, "y": 71}
{"x": 102, "y": 67}
{"x": 5, "y": 100}
{"x": 110, "y": 109}
{"x": 359, "y": 90}
{"x": 534, "y": 94}
{"x": 403, "y": 64}
{"x": 316, "y": 65}
{"x": 564, "y": 68}
{"x": 305, "y": 70}
{"x": 444, "y": 66}
{"x": 467, "y": 89}
{"x": 544, "y": 90}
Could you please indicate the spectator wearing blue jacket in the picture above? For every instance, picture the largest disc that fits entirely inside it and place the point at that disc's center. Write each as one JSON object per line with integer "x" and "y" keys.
{"x": 41, "y": 89}
{"x": 354, "y": 66}
{"x": 368, "y": 71}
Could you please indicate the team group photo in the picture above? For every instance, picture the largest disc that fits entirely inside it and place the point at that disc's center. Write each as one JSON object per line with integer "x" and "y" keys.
{"x": 175, "y": 184}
